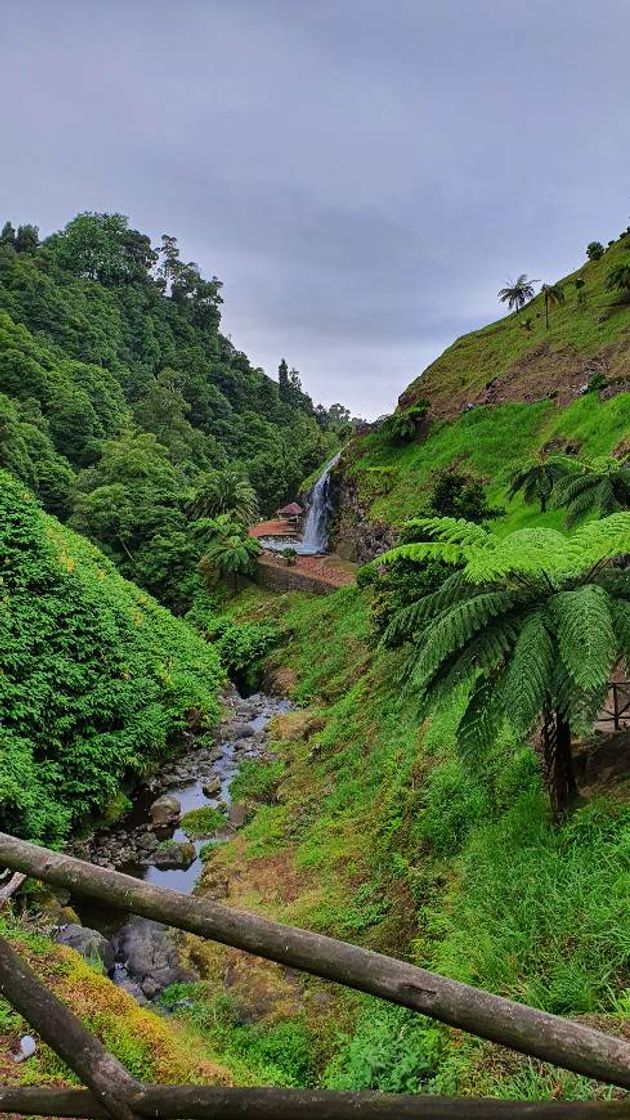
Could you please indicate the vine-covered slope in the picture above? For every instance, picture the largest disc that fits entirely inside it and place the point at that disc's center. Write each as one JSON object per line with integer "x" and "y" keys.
{"x": 97, "y": 680}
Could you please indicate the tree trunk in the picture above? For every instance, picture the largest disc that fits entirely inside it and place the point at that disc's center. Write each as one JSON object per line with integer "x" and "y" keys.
{"x": 543, "y": 503}
{"x": 558, "y": 764}
{"x": 547, "y": 314}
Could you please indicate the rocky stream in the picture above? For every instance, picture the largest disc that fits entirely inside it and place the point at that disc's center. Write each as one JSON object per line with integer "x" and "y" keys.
{"x": 138, "y": 954}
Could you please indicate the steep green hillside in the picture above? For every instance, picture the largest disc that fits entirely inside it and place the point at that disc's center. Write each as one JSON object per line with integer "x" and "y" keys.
{"x": 519, "y": 358}
{"x": 370, "y": 826}
{"x": 392, "y": 482}
{"x": 97, "y": 681}
{"x": 127, "y": 410}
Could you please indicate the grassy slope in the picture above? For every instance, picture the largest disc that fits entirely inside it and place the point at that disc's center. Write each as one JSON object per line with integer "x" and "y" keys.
{"x": 529, "y": 365}
{"x": 392, "y": 482}
{"x": 151, "y": 1047}
{"x": 377, "y": 834}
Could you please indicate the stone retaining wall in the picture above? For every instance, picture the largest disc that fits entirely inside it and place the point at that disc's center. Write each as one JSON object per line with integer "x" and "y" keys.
{"x": 277, "y": 578}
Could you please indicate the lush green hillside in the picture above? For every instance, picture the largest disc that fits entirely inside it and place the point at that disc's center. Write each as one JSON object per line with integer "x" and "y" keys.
{"x": 520, "y": 358}
{"x": 97, "y": 680}
{"x": 122, "y": 405}
{"x": 370, "y": 826}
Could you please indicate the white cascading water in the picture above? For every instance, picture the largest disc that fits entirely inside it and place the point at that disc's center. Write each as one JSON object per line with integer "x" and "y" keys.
{"x": 315, "y": 535}
{"x": 314, "y": 539}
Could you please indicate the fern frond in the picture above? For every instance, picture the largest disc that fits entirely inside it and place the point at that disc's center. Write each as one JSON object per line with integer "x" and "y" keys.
{"x": 407, "y": 621}
{"x": 585, "y": 634}
{"x": 597, "y": 541}
{"x": 526, "y": 552}
{"x": 528, "y": 676}
{"x": 438, "y": 550}
{"x": 620, "y": 610}
{"x": 481, "y": 720}
{"x": 457, "y": 627}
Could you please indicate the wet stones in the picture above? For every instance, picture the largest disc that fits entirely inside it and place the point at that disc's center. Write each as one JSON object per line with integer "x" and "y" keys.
{"x": 166, "y": 811}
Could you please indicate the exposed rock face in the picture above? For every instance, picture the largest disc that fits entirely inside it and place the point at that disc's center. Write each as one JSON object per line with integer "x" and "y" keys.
{"x": 352, "y": 534}
{"x": 165, "y": 811}
{"x": 89, "y": 943}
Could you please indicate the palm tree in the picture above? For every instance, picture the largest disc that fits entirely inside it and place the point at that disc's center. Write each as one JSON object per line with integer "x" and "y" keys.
{"x": 537, "y": 478}
{"x": 517, "y": 293}
{"x": 553, "y": 296}
{"x": 533, "y": 623}
{"x": 231, "y": 551}
{"x": 227, "y": 491}
{"x": 619, "y": 278}
{"x": 601, "y": 488}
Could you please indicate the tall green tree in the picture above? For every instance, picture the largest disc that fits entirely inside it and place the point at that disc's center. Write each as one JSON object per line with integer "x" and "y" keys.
{"x": 531, "y": 626}
{"x": 231, "y": 552}
{"x": 538, "y": 476}
{"x": 553, "y": 296}
{"x": 517, "y": 293}
{"x": 228, "y": 491}
{"x": 598, "y": 489}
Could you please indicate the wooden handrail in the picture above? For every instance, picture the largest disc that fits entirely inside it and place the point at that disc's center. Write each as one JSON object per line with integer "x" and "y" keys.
{"x": 548, "y": 1037}
{"x": 109, "y": 1081}
{"x": 197, "y": 1102}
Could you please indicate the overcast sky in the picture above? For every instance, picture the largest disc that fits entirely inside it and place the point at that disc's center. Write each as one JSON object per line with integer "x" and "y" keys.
{"x": 363, "y": 176}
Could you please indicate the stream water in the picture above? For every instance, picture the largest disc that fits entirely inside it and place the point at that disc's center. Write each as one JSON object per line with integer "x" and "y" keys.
{"x": 146, "y": 958}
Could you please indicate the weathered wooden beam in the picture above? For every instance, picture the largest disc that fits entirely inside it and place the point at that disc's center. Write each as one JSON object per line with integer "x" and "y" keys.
{"x": 218, "y": 1103}
{"x": 109, "y": 1081}
{"x": 9, "y": 889}
{"x": 548, "y": 1037}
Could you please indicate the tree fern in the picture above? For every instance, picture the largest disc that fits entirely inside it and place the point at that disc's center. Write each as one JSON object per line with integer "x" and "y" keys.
{"x": 526, "y": 684}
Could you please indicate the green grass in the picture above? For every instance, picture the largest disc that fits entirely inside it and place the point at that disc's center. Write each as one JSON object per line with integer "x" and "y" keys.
{"x": 488, "y": 442}
{"x": 475, "y": 359}
{"x": 198, "y": 824}
{"x": 398, "y": 845}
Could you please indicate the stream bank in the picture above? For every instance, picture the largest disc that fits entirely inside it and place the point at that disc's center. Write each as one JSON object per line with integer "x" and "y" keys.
{"x": 138, "y": 954}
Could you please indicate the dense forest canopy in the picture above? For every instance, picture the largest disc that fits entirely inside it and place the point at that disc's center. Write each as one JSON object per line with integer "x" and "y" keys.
{"x": 120, "y": 397}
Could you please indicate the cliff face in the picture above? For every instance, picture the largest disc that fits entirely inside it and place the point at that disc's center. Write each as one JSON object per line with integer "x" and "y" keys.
{"x": 354, "y": 534}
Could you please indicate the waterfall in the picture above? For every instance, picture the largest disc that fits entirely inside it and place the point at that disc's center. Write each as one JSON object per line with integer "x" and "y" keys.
{"x": 315, "y": 535}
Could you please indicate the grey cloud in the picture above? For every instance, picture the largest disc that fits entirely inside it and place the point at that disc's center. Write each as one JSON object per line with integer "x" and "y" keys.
{"x": 363, "y": 177}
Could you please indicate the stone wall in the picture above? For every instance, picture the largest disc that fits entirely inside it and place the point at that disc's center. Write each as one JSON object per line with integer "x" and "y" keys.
{"x": 284, "y": 578}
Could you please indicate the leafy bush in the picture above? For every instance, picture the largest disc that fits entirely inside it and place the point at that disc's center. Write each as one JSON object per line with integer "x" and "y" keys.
{"x": 289, "y": 555}
{"x": 457, "y": 494}
{"x": 96, "y": 680}
{"x": 392, "y": 1050}
{"x": 595, "y": 250}
{"x": 402, "y": 426}
{"x": 241, "y": 648}
{"x": 201, "y": 823}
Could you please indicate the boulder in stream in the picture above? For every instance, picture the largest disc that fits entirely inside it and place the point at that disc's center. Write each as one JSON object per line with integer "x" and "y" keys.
{"x": 212, "y": 787}
{"x": 174, "y": 855}
{"x": 166, "y": 810}
{"x": 149, "y": 956}
{"x": 89, "y": 943}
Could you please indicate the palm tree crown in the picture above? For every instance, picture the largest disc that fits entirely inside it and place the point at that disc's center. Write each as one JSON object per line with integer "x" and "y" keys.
{"x": 227, "y": 491}
{"x": 231, "y": 551}
{"x": 517, "y": 293}
{"x": 553, "y": 296}
{"x": 600, "y": 488}
{"x": 532, "y": 623}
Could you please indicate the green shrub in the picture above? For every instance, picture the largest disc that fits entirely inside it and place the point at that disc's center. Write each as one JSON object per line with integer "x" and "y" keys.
{"x": 241, "y": 647}
{"x": 198, "y": 824}
{"x": 392, "y": 1050}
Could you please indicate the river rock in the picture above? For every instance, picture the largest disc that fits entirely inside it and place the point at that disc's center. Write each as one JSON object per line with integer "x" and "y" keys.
{"x": 237, "y": 816}
{"x": 174, "y": 855}
{"x": 212, "y": 787}
{"x": 166, "y": 810}
{"x": 89, "y": 943}
{"x": 234, "y": 731}
{"x": 149, "y": 956}
{"x": 148, "y": 842}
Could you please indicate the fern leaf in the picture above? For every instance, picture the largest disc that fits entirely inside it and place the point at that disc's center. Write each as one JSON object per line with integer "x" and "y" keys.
{"x": 528, "y": 677}
{"x": 585, "y": 635}
{"x": 456, "y": 629}
{"x": 481, "y": 720}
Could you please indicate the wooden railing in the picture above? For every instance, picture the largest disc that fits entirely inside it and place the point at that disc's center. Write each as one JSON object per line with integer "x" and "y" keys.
{"x": 111, "y": 1091}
